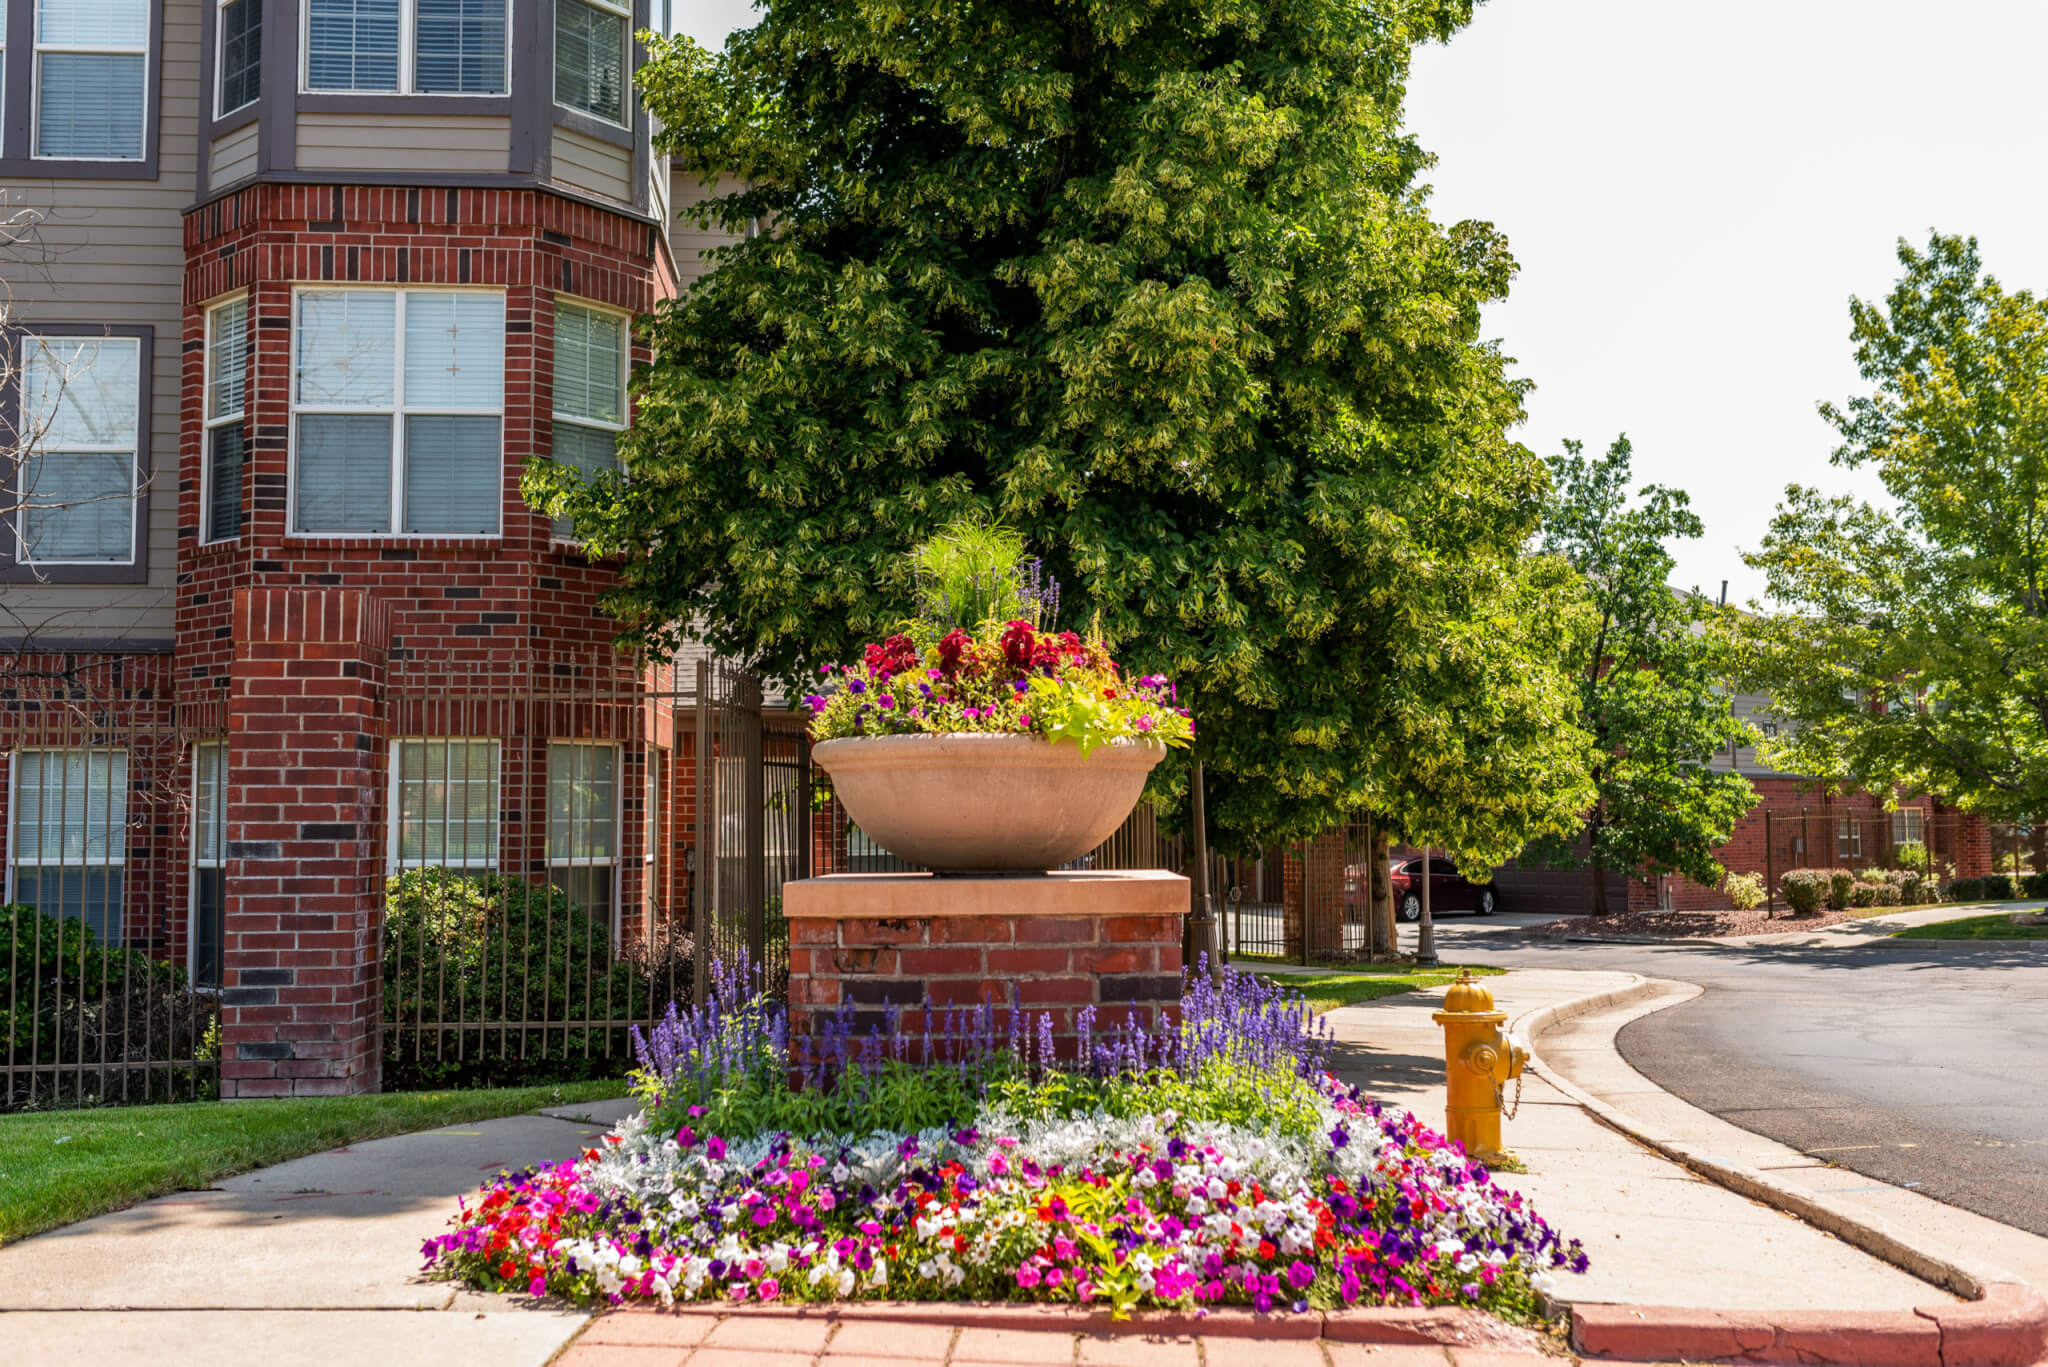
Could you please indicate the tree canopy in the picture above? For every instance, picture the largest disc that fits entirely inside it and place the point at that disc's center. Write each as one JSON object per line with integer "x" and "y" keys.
{"x": 1648, "y": 663}
{"x": 1154, "y": 283}
{"x": 1909, "y": 644}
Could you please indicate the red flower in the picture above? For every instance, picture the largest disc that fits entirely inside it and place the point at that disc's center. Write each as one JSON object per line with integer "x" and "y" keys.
{"x": 894, "y": 656}
{"x": 1266, "y": 1250}
{"x": 1020, "y": 645}
{"x": 956, "y": 652}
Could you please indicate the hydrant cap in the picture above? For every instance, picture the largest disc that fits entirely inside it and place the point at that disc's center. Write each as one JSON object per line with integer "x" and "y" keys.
{"x": 1466, "y": 995}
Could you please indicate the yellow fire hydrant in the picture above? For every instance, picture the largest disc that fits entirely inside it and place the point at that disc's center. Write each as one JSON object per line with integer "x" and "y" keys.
{"x": 1480, "y": 1059}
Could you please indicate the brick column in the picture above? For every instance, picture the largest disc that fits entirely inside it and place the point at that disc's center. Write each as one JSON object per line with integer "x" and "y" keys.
{"x": 1110, "y": 940}
{"x": 302, "y": 987}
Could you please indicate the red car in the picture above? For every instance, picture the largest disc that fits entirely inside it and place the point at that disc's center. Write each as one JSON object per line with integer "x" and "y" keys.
{"x": 1447, "y": 890}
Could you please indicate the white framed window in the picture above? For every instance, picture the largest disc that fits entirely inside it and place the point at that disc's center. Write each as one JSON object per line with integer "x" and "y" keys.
{"x": 209, "y": 860}
{"x": 444, "y": 803}
{"x": 583, "y": 824}
{"x": 81, "y": 409}
{"x": 68, "y": 849}
{"x": 398, "y": 411}
{"x": 92, "y": 79}
{"x": 591, "y": 356}
{"x": 593, "y": 62}
{"x": 1909, "y": 826}
{"x": 407, "y": 47}
{"x": 238, "y": 59}
{"x": 1848, "y": 838}
{"x": 227, "y": 389}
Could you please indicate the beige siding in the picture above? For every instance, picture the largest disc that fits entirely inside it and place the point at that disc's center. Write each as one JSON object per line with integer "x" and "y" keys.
{"x": 234, "y": 156}
{"x": 593, "y": 165}
{"x": 379, "y": 142}
{"x": 112, "y": 252}
{"x": 688, "y": 241}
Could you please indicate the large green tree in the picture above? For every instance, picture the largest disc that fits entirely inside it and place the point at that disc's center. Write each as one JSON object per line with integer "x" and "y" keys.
{"x": 1908, "y": 648}
{"x": 1648, "y": 663}
{"x": 1154, "y": 282}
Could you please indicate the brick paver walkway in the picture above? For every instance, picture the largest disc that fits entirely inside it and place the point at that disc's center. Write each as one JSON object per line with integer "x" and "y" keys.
{"x": 648, "y": 1340}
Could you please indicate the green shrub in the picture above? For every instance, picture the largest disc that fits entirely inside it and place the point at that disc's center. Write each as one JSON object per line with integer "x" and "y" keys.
{"x": 1745, "y": 891}
{"x": 492, "y": 981}
{"x": 1966, "y": 890}
{"x": 71, "y": 996}
{"x": 1862, "y": 895}
{"x": 1841, "y": 883}
{"x": 1998, "y": 887}
{"x": 1805, "y": 890}
{"x": 2034, "y": 885}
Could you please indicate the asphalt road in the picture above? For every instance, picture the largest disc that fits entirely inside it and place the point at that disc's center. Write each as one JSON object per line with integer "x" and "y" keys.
{"x": 1917, "y": 1062}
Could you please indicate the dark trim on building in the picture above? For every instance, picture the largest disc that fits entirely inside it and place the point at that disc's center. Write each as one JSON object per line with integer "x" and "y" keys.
{"x": 383, "y": 102}
{"x": 277, "y": 146}
{"x": 83, "y": 645}
{"x": 592, "y": 127}
{"x": 533, "y": 43}
{"x": 13, "y": 571}
{"x": 17, "y": 132}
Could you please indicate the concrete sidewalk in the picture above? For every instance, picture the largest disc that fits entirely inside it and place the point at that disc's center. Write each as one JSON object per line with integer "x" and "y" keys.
{"x": 1656, "y": 1234}
{"x": 314, "y": 1261}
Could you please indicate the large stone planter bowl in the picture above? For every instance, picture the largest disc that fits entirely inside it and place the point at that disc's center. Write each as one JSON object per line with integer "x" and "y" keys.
{"x": 986, "y": 803}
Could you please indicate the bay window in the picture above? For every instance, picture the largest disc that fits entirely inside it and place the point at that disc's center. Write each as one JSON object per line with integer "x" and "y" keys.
{"x": 81, "y": 425}
{"x": 444, "y": 803}
{"x": 413, "y": 47}
{"x": 583, "y": 824}
{"x": 398, "y": 403}
{"x": 227, "y": 385}
{"x": 590, "y": 391}
{"x": 593, "y": 39}
{"x": 239, "y": 62}
{"x": 91, "y": 79}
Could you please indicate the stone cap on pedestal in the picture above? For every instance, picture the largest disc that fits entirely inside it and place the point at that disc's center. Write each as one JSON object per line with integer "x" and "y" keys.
{"x": 1069, "y": 892}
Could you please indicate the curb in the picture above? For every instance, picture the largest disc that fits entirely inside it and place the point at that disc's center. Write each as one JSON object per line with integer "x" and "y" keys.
{"x": 1443, "y": 1326}
{"x": 2002, "y": 1322}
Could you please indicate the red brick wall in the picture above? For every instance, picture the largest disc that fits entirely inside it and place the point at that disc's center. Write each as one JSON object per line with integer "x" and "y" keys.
{"x": 301, "y": 1004}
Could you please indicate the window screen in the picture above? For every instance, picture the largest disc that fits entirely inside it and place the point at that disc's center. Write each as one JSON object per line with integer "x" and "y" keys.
{"x": 81, "y": 406}
{"x": 92, "y": 66}
{"x": 590, "y": 58}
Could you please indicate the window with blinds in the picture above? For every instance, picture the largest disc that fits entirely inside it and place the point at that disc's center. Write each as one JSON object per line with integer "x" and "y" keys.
{"x": 91, "y": 77}
{"x": 424, "y": 47}
{"x": 68, "y": 847}
{"x": 81, "y": 421}
{"x": 445, "y": 803}
{"x": 590, "y": 392}
{"x": 227, "y": 385}
{"x": 398, "y": 405}
{"x": 1909, "y": 826}
{"x": 209, "y": 859}
{"x": 592, "y": 39}
{"x": 583, "y": 824}
{"x": 239, "y": 25}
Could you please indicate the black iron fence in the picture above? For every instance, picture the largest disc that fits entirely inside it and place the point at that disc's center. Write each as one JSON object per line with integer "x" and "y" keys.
{"x": 110, "y": 939}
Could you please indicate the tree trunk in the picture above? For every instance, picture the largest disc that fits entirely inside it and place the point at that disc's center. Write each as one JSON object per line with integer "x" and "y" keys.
{"x": 1593, "y": 863}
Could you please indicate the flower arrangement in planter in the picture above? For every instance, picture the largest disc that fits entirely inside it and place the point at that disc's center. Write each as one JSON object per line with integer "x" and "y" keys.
{"x": 1212, "y": 1162}
{"x": 980, "y": 738}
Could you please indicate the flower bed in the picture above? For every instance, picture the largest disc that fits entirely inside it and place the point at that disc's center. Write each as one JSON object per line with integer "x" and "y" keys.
{"x": 1215, "y": 1163}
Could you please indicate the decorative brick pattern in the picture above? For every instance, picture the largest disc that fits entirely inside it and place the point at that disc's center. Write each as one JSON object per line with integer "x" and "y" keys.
{"x": 301, "y": 997}
{"x": 928, "y": 947}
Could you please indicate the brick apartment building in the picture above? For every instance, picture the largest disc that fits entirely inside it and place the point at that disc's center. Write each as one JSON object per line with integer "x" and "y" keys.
{"x": 305, "y": 286}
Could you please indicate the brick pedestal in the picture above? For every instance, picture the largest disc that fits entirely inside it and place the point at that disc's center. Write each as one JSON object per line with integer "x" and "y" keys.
{"x": 1060, "y": 943}
{"x": 301, "y": 993}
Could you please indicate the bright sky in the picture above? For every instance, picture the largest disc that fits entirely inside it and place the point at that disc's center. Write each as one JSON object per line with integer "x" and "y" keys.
{"x": 1694, "y": 192}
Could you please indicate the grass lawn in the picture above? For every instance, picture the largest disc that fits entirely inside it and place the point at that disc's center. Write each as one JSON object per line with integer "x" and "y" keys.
{"x": 1336, "y": 987}
{"x": 2000, "y": 927}
{"x": 61, "y": 1166}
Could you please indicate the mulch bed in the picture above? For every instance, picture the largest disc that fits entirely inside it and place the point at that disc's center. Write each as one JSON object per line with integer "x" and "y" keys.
{"x": 1687, "y": 925}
